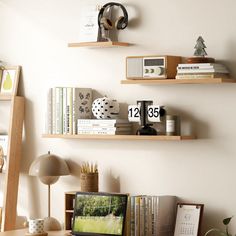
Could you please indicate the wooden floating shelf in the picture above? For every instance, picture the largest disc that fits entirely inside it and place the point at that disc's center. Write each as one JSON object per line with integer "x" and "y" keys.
{"x": 99, "y": 44}
{"x": 178, "y": 81}
{"x": 6, "y": 97}
{"x": 121, "y": 137}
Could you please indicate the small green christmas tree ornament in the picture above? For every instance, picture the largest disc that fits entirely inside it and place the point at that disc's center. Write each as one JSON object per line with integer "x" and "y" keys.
{"x": 200, "y": 48}
{"x": 200, "y": 53}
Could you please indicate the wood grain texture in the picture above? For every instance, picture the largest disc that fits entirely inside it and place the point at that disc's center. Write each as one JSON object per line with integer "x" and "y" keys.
{"x": 99, "y": 44}
{"x": 23, "y": 232}
{"x": 178, "y": 81}
{"x": 121, "y": 137}
{"x": 13, "y": 164}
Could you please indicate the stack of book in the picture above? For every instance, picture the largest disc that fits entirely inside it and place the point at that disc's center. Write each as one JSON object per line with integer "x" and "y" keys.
{"x": 104, "y": 126}
{"x": 151, "y": 215}
{"x": 64, "y": 107}
{"x": 201, "y": 71}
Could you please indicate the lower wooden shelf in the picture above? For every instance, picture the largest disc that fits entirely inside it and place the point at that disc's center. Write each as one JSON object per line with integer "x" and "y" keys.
{"x": 121, "y": 137}
{"x": 99, "y": 44}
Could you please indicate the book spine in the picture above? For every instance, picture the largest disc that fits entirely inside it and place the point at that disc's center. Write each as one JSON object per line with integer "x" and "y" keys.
{"x": 132, "y": 216}
{"x": 146, "y": 219}
{"x": 154, "y": 215}
{"x": 128, "y": 217}
{"x": 58, "y": 110}
{"x": 64, "y": 111}
{"x": 149, "y": 216}
{"x": 75, "y": 110}
{"x": 96, "y": 122}
{"x": 54, "y": 110}
{"x": 102, "y": 132}
{"x": 79, "y": 128}
{"x": 69, "y": 110}
{"x": 142, "y": 216}
{"x": 48, "y": 115}
{"x": 137, "y": 215}
{"x": 184, "y": 71}
{"x": 201, "y": 65}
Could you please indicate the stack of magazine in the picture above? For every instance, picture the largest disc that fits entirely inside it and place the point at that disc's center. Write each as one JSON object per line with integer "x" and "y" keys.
{"x": 104, "y": 126}
{"x": 151, "y": 215}
{"x": 201, "y": 71}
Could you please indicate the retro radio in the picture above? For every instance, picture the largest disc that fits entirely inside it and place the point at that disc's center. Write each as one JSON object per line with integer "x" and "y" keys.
{"x": 152, "y": 67}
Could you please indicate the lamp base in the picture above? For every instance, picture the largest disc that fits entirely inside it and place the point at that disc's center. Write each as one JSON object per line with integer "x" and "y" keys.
{"x": 51, "y": 224}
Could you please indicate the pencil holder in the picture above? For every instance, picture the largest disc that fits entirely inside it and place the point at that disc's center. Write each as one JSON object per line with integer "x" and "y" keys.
{"x": 89, "y": 182}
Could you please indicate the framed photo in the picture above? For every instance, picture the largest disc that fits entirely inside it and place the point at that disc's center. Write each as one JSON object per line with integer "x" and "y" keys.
{"x": 9, "y": 80}
{"x": 188, "y": 219}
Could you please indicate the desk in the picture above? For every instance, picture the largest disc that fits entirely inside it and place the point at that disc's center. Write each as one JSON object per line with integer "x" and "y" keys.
{"x": 21, "y": 232}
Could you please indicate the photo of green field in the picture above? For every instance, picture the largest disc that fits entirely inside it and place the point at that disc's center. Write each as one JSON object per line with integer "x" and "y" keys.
{"x": 104, "y": 225}
{"x": 99, "y": 214}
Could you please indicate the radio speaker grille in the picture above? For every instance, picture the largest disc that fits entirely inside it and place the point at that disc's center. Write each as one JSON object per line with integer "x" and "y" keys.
{"x": 134, "y": 67}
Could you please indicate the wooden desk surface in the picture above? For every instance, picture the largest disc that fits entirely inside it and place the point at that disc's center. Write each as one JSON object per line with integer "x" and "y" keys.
{"x": 21, "y": 232}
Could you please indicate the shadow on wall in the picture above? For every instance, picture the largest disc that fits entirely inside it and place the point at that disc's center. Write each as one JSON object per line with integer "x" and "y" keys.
{"x": 231, "y": 62}
{"x": 189, "y": 124}
{"x": 112, "y": 183}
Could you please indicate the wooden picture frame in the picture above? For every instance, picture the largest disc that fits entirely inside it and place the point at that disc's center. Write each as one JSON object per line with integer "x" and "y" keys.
{"x": 9, "y": 80}
{"x": 188, "y": 219}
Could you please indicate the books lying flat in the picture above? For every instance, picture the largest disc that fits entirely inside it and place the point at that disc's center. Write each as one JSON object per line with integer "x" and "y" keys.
{"x": 202, "y": 68}
{"x": 103, "y": 122}
{"x": 201, "y": 76}
{"x": 104, "y": 132}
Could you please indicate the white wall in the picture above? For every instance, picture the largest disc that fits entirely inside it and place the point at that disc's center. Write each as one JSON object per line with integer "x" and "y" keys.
{"x": 35, "y": 34}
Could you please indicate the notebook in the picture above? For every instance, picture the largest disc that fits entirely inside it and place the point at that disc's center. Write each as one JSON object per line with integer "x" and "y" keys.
{"x": 99, "y": 214}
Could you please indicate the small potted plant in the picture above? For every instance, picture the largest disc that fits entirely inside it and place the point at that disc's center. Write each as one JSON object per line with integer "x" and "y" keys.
{"x": 226, "y": 222}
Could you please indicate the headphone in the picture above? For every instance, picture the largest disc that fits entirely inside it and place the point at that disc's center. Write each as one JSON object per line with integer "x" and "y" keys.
{"x": 120, "y": 24}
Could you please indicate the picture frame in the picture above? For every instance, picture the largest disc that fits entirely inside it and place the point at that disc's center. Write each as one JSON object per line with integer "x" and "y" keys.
{"x": 188, "y": 219}
{"x": 9, "y": 80}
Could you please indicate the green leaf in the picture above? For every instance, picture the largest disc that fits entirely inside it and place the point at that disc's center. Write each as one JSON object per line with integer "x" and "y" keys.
{"x": 227, "y": 220}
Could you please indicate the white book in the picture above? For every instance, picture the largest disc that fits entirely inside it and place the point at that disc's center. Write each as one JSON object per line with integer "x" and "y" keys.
{"x": 64, "y": 112}
{"x": 103, "y": 128}
{"x": 200, "y": 65}
{"x": 54, "y": 110}
{"x": 59, "y": 97}
{"x": 48, "y": 115}
{"x": 102, "y": 121}
{"x": 183, "y": 71}
{"x": 69, "y": 122}
{"x": 103, "y": 132}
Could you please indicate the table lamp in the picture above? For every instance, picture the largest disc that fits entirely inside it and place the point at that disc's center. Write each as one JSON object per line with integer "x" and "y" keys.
{"x": 48, "y": 168}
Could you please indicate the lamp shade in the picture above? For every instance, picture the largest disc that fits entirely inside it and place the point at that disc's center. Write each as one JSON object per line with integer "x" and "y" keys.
{"x": 48, "y": 165}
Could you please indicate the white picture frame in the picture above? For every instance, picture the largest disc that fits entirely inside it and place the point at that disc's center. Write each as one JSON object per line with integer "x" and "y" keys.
{"x": 188, "y": 219}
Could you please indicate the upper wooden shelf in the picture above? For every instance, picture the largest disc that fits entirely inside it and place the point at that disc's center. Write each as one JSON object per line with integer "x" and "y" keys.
{"x": 121, "y": 137}
{"x": 5, "y": 97}
{"x": 99, "y": 44}
{"x": 8, "y": 97}
{"x": 178, "y": 81}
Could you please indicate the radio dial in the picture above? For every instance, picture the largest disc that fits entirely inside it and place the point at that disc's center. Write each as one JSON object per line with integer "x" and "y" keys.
{"x": 146, "y": 71}
{"x": 159, "y": 70}
{"x": 152, "y": 71}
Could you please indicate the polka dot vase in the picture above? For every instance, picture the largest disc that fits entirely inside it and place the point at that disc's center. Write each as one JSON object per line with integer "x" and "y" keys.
{"x": 105, "y": 108}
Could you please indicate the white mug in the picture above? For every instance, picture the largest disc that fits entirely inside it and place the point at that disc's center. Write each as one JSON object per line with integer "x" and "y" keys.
{"x": 36, "y": 226}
